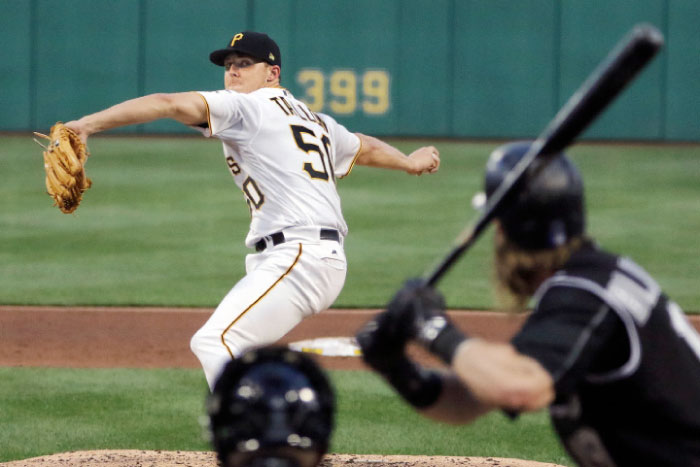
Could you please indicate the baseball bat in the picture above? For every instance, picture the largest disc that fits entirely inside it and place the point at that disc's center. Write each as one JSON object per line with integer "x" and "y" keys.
{"x": 601, "y": 87}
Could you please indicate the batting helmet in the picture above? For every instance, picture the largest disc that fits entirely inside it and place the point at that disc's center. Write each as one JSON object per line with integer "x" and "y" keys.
{"x": 547, "y": 208}
{"x": 272, "y": 407}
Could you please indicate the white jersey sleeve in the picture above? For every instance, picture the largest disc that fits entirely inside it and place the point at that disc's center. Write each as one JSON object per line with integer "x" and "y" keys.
{"x": 232, "y": 115}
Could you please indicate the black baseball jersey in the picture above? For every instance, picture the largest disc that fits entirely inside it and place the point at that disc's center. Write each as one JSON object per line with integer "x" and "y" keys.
{"x": 625, "y": 362}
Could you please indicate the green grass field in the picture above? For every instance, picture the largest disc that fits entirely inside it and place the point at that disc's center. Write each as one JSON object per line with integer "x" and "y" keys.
{"x": 47, "y": 411}
{"x": 164, "y": 225}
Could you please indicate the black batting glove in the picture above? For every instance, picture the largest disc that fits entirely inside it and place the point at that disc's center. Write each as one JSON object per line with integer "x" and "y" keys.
{"x": 421, "y": 310}
{"x": 383, "y": 339}
{"x": 383, "y": 342}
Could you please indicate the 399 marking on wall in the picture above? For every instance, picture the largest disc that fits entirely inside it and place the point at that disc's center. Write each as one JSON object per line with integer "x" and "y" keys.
{"x": 346, "y": 91}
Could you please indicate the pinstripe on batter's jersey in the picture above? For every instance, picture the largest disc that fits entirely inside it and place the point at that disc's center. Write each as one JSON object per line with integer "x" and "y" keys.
{"x": 625, "y": 361}
{"x": 284, "y": 158}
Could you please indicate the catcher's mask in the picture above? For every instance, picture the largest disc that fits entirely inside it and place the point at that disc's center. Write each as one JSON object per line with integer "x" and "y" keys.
{"x": 272, "y": 407}
{"x": 546, "y": 210}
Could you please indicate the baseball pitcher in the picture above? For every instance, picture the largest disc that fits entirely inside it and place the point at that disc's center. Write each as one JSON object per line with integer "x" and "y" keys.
{"x": 286, "y": 160}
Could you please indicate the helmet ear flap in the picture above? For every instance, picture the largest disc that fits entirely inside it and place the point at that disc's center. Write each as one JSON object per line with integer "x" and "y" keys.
{"x": 546, "y": 209}
{"x": 271, "y": 407}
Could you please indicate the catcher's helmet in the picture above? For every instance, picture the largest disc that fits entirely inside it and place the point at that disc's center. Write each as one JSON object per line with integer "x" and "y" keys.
{"x": 272, "y": 407}
{"x": 547, "y": 208}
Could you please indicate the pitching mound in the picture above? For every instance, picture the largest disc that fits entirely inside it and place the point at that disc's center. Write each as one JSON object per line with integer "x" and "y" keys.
{"x": 130, "y": 458}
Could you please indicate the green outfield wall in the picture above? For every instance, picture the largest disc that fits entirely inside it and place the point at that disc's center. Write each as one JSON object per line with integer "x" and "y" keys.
{"x": 439, "y": 68}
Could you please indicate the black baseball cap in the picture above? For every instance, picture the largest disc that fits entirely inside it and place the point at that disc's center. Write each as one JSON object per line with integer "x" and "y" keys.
{"x": 255, "y": 44}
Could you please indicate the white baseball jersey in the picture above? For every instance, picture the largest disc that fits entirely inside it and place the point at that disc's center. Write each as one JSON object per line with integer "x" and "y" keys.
{"x": 283, "y": 157}
{"x": 286, "y": 160}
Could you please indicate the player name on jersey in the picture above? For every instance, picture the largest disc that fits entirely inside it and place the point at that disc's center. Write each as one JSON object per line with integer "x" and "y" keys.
{"x": 302, "y": 112}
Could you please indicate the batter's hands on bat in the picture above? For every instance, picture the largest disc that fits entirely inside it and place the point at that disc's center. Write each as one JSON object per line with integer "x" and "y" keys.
{"x": 383, "y": 341}
{"x": 384, "y": 338}
{"x": 424, "y": 160}
{"x": 420, "y": 309}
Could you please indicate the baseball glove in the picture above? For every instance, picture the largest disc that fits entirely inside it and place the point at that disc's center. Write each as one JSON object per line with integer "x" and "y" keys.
{"x": 64, "y": 162}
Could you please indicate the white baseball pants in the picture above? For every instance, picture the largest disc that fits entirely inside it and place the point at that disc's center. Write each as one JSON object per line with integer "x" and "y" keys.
{"x": 283, "y": 285}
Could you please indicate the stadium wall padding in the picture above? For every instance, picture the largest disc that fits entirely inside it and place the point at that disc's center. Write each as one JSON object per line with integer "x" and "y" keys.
{"x": 434, "y": 68}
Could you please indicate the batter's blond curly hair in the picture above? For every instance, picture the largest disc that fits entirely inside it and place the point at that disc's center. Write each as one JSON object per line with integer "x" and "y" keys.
{"x": 518, "y": 272}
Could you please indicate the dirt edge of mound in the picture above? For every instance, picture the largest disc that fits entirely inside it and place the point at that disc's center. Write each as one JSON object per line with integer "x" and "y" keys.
{"x": 142, "y": 458}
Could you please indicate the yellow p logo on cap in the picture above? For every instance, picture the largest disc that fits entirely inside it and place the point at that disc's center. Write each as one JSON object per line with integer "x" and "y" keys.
{"x": 237, "y": 37}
